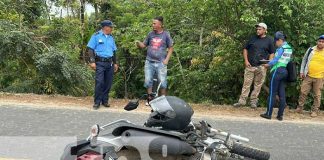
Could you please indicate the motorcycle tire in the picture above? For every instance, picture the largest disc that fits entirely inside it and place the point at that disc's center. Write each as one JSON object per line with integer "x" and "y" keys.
{"x": 198, "y": 156}
{"x": 250, "y": 152}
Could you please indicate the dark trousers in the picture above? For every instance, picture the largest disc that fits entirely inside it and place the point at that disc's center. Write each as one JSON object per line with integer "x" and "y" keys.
{"x": 277, "y": 87}
{"x": 104, "y": 78}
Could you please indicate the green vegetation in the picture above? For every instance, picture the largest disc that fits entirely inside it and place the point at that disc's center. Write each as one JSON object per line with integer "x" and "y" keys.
{"x": 40, "y": 52}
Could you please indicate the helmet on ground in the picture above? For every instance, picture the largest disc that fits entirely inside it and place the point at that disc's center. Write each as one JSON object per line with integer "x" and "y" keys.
{"x": 170, "y": 113}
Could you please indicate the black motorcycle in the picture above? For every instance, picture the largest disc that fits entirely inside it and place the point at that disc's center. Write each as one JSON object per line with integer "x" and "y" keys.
{"x": 169, "y": 133}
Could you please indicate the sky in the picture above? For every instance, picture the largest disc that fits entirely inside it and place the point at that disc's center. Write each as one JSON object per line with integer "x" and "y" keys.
{"x": 56, "y": 10}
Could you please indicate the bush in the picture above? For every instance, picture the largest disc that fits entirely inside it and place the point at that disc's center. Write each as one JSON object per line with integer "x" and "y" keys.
{"x": 60, "y": 74}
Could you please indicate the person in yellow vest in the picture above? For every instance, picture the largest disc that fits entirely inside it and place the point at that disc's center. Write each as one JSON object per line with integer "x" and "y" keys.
{"x": 312, "y": 73}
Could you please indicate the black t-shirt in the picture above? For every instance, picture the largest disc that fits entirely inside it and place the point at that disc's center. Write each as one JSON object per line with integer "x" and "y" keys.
{"x": 259, "y": 48}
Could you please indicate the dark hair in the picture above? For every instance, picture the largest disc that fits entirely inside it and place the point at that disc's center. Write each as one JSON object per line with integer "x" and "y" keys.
{"x": 159, "y": 18}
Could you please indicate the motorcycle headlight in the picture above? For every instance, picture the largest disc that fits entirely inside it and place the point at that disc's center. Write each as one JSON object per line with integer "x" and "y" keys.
{"x": 94, "y": 131}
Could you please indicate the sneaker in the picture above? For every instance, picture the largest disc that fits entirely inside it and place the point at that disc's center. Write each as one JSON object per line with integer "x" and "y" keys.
{"x": 265, "y": 116}
{"x": 237, "y": 104}
{"x": 313, "y": 114}
{"x": 96, "y": 106}
{"x": 299, "y": 110}
{"x": 280, "y": 118}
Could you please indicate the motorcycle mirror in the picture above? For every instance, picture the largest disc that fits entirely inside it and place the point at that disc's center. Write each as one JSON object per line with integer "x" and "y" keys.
{"x": 133, "y": 104}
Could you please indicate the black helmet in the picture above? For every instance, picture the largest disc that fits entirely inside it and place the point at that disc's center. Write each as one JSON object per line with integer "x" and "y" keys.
{"x": 170, "y": 113}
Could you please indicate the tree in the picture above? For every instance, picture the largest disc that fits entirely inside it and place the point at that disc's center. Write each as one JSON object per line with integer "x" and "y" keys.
{"x": 207, "y": 65}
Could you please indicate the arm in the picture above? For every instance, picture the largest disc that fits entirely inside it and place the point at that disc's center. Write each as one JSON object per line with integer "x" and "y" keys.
{"x": 143, "y": 44}
{"x": 92, "y": 55}
{"x": 271, "y": 56}
{"x": 245, "y": 53}
{"x": 246, "y": 60}
{"x": 169, "y": 42}
{"x": 303, "y": 64}
{"x": 276, "y": 58}
{"x": 271, "y": 49}
{"x": 170, "y": 51}
{"x": 140, "y": 44}
{"x": 114, "y": 57}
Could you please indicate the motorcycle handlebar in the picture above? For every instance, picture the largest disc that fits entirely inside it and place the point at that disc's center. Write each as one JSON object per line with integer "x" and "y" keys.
{"x": 222, "y": 133}
{"x": 233, "y": 136}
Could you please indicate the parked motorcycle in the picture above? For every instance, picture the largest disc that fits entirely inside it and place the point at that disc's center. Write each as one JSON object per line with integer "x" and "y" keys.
{"x": 168, "y": 133}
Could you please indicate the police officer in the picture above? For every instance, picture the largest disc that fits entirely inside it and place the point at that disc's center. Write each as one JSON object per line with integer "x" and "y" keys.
{"x": 102, "y": 51}
{"x": 279, "y": 75}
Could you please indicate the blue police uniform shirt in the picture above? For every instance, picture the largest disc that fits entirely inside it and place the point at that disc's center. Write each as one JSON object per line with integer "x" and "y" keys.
{"x": 103, "y": 45}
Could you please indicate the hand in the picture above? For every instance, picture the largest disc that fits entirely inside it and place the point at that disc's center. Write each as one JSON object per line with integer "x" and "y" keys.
{"x": 93, "y": 66}
{"x": 247, "y": 64}
{"x": 115, "y": 68}
{"x": 301, "y": 75}
{"x": 139, "y": 44}
{"x": 266, "y": 65}
{"x": 165, "y": 62}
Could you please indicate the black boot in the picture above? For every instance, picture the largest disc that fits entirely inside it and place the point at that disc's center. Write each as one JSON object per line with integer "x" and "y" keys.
{"x": 96, "y": 106}
{"x": 265, "y": 116}
{"x": 280, "y": 118}
{"x": 107, "y": 105}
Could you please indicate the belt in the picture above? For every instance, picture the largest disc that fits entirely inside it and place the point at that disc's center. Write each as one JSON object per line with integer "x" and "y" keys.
{"x": 153, "y": 61}
{"x": 101, "y": 59}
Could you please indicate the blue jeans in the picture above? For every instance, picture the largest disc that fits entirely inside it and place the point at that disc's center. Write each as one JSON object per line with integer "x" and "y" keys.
{"x": 158, "y": 68}
{"x": 104, "y": 78}
{"x": 277, "y": 87}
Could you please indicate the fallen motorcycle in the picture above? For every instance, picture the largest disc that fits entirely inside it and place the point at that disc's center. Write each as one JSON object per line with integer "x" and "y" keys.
{"x": 168, "y": 133}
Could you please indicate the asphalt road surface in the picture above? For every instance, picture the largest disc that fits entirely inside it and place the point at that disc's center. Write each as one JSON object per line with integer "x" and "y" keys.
{"x": 42, "y": 133}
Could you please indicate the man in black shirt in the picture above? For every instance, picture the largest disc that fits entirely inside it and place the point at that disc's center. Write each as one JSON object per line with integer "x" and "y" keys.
{"x": 256, "y": 51}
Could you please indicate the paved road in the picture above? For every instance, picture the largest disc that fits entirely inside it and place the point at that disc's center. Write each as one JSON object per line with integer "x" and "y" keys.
{"x": 40, "y": 131}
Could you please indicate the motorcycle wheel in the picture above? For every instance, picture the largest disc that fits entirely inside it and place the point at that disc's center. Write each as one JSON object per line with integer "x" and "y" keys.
{"x": 198, "y": 156}
{"x": 250, "y": 152}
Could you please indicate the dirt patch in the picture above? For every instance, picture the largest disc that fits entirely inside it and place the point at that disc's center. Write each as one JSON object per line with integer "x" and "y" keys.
{"x": 201, "y": 110}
